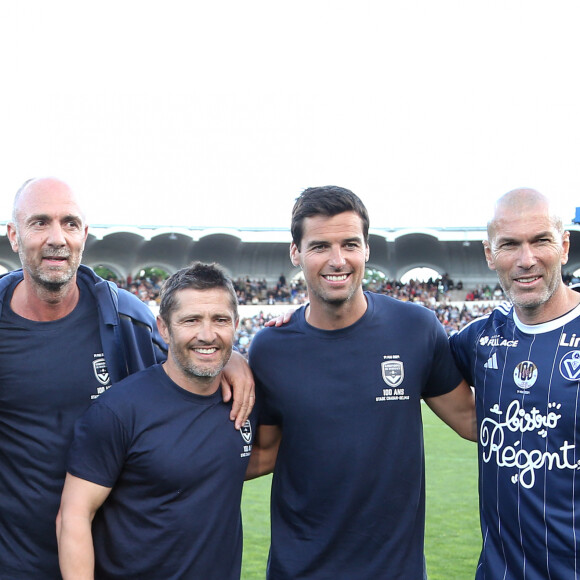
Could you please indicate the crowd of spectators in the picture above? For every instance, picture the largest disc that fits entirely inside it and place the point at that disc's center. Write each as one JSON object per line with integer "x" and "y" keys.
{"x": 439, "y": 295}
{"x": 145, "y": 287}
{"x": 258, "y": 291}
{"x": 148, "y": 287}
{"x": 453, "y": 307}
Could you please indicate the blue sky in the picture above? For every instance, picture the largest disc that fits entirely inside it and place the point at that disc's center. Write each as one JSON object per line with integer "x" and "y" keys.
{"x": 220, "y": 113}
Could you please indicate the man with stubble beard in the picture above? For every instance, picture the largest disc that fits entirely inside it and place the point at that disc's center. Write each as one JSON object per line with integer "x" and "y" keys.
{"x": 66, "y": 336}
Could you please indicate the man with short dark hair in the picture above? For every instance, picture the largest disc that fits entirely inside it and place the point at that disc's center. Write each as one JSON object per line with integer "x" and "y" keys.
{"x": 524, "y": 361}
{"x": 66, "y": 336}
{"x": 342, "y": 385}
{"x": 157, "y": 458}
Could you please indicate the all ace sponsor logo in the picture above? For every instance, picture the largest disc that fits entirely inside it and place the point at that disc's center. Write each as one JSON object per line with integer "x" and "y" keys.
{"x": 497, "y": 340}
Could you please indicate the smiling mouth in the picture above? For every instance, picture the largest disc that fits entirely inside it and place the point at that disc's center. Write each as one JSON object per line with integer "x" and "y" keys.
{"x": 527, "y": 280}
{"x": 335, "y": 277}
{"x": 209, "y": 350}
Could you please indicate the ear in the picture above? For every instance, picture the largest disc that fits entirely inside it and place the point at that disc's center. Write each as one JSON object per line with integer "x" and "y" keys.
{"x": 12, "y": 236}
{"x": 488, "y": 255}
{"x": 565, "y": 247}
{"x": 367, "y": 252}
{"x": 163, "y": 330}
{"x": 294, "y": 254}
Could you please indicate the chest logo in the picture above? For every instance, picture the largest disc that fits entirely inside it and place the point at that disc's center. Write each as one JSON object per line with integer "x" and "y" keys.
{"x": 393, "y": 372}
{"x": 491, "y": 362}
{"x": 570, "y": 365}
{"x": 525, "y": 374}
{"x": 101, "y": 371}
{"x": 497, "y": 340}
{"x": 246, "y": 431}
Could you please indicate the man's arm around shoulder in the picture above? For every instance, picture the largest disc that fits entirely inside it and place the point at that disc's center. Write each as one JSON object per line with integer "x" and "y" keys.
{"x": 80, "y": 501}
{"x": 238, "y": 382}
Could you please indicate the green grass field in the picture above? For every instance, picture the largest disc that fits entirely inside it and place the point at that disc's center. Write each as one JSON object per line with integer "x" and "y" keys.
{"x": 452, "y": 537}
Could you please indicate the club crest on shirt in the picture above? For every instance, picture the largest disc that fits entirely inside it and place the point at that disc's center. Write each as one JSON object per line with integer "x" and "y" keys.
{"x": 246, "y": 431}
{"x": 570, "y": 365}
{"x": 525, "y": 374}
{"x": 393, "y": 372}
{"x": 101, "y": 371}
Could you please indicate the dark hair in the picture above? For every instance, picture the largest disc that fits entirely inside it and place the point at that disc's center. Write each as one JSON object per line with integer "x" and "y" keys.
{"x": 197, "y": 276}
{"x": 328, "y": 200}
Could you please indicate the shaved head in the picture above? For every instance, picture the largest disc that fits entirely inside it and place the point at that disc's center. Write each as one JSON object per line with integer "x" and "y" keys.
{"x": 519, "y": 201}
{"x": 41, "y": 187}
{"x": 48, "y": 232}
{"x": 527, "y": 247}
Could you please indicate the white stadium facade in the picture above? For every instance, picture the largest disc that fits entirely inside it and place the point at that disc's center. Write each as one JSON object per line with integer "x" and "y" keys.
{"x": 262, "y": 253}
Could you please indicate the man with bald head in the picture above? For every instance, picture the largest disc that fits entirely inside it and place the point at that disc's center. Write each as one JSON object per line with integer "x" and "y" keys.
{"x": 66, "y": 335}
{"x": 524, "y": 362}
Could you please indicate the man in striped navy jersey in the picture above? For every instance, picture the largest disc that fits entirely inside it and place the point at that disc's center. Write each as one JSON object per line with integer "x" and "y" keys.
{"x": 524, "y": 362}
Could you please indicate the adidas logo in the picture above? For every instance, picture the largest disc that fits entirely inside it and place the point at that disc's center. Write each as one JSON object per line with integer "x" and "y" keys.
{"x": 491, "y": 362}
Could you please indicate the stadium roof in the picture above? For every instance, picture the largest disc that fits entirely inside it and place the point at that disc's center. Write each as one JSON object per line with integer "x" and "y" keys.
{"x": 262, "y": 253}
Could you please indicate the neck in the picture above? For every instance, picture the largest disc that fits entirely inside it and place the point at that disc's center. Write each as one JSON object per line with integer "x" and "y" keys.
{"x": 563, "y": 301}
{"x": 35, "y": 302}
{"x": 329, "y": 316}
{"x": 204, "y": 386}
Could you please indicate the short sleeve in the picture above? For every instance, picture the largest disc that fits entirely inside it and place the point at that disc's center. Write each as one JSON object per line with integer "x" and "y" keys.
{"x": 99, "y": 446}
{"x": 444, "y": 375}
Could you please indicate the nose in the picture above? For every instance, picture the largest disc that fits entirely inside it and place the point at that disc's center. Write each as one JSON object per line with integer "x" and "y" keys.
{"x": 336, "y": 258}
{"x": 56, "y": 236}
{"x": 526, "y": 256}
{"x": 205, "y": 332}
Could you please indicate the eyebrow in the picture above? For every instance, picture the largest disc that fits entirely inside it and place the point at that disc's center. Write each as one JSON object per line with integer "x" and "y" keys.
{"x": 195, "y": 314}
{"x": 47, "y": 217}
{"x": 539, "y": 235}
{"x": 344, "y": 241}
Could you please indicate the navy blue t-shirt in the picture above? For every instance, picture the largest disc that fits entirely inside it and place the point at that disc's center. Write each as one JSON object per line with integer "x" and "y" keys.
{"x": 348, "y": 497}
{"x": 527, "y": 388}
{"x": 50, "y": 372}
{"x": 176, "y": 465}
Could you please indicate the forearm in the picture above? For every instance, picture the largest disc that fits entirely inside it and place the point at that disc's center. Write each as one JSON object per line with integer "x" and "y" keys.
{"x": 457, "y": 409}
{"x": 465, "y": 425}
{"x": 75, "y": 548}
{"x": 264, "y": 451}
{"x": 261, "y": 463}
